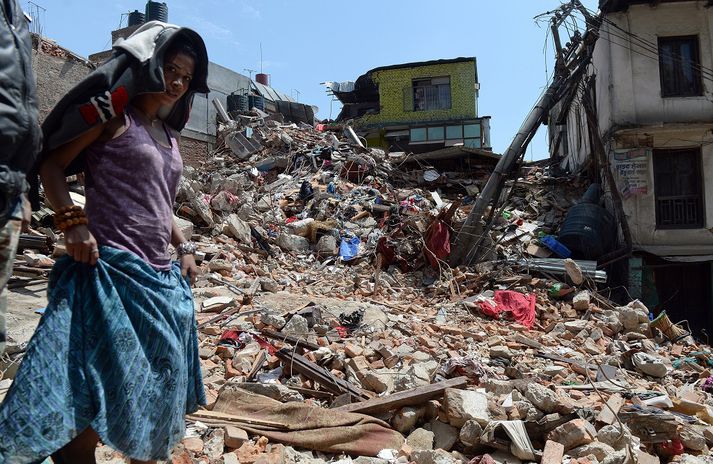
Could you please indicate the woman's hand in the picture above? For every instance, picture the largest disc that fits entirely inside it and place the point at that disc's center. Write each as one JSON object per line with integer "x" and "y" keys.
{"x": 26, "y": 214}
{"x": 81, "y": 245}
{"x": 189, "y": 267}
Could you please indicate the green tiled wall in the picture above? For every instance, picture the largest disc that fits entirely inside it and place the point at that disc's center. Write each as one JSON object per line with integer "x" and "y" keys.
{"x": 392, "y": 83}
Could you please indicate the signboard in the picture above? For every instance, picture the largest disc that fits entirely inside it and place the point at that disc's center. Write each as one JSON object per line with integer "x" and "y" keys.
{"x": 632, "y": 169}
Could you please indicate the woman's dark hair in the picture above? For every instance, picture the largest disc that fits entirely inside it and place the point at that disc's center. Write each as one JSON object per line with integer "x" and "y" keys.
{"x": 182, "y": 46}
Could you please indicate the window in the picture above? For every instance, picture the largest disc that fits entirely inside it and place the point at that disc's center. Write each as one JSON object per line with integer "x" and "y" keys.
{"x": 435, "y": 133}
{"x": 471, "y": 130}
{"x": 432, "y": 94}
{"x": 418, "y": 135}
{"x": 680, "y": 67}
{"x": 454, "y": 132}
{"x": 678, "y": 189}
{"x": 427, "y": 134}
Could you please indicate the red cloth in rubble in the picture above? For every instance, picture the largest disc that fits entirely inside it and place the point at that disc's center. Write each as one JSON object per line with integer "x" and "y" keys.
{"x": 438, "y": 243}
{"x": 521, "y": 307}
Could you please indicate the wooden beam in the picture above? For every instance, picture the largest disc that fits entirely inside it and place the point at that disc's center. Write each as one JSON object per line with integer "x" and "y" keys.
{"x": 411, "y": 397}
{"x": 301, "y": 365}
{"x": 231, "y": 419}
{"x": 220, "y": 316}
{"x": 260, "y": 361}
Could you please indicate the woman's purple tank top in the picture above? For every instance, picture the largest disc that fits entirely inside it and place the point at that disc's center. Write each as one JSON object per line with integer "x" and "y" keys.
{"x": 131, "y": 184}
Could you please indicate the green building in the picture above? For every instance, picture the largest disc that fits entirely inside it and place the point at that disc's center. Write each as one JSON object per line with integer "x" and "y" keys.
{"x": 416, "y": 107}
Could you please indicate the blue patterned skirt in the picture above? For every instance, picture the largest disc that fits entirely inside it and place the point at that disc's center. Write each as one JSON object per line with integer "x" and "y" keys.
{"x": 117, "y": 351}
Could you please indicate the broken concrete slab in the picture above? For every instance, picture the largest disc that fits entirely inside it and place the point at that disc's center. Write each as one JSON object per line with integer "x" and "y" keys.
{"x": 463, "y": 405}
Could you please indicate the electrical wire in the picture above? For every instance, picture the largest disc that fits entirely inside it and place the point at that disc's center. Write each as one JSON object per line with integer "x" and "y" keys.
{"x": 646, "y": 46}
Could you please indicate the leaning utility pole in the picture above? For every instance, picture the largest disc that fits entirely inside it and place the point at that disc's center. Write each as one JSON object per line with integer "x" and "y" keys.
{"x": 572, "y": 62}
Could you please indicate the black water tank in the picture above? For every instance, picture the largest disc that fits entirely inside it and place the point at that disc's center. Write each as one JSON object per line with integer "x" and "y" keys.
{"x": 257, "y": 101}
{"x": 238, "y": 102}
{"x": 136, "y": 17}
{"x": 588, "y": 230}
{"x": 156, "y": 11}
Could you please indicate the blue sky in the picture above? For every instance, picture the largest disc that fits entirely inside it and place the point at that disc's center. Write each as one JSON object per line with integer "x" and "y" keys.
{"x": 306, "y": 42}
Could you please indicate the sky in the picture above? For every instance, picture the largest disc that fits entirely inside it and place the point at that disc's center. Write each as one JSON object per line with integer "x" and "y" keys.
{"x": 306, "y": 42}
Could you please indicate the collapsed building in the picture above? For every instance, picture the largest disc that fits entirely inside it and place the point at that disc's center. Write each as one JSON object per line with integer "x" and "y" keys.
{"x": 332, "y": 328}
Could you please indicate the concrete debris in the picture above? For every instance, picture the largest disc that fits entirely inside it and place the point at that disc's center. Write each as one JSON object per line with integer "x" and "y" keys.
{"x": 445, "y": 435}
{"x": 324, "y": 280}
{"x": 464, "y": 405}
{"x": 574, "y": 433}
{"x": 420, "y": 439}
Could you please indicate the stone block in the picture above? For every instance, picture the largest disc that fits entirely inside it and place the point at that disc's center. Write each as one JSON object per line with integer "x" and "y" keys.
{"x": 235, "y": 437}
{"x": 420, "y": 439}
{"x": 574, "y": 433}
{"x": 553, "y": 453}
{"x": 581, "y": 301}
{"x": 595, "y": 448}
{"x": 445, "y": 435}
{"x": 290, "y": 242}
{"x": 406, "y": 419}
{"x": 470, "y": 433}
{"x": 463, "y": 405}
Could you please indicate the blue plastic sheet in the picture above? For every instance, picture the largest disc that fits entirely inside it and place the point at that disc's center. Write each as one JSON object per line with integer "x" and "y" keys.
{"x": 349, "y": 248}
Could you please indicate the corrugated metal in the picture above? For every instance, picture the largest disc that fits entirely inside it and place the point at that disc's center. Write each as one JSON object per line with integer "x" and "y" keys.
{"x": 270, "y": 94}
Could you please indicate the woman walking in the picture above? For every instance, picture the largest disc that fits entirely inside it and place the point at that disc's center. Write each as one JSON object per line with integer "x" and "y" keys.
{"x": 115, "y": 357}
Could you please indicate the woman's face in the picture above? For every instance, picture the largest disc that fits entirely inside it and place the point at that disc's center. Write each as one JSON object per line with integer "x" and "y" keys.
{"x": 177, "y": 74}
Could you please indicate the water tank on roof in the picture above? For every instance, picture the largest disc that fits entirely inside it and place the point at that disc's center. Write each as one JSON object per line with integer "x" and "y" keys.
{"x": 136, "y": 17}
{"x": 156, "y": 11}
{"x": 262, "y": 78}
{"x": 257, "y": 101}
{"x": 239, "y": 103}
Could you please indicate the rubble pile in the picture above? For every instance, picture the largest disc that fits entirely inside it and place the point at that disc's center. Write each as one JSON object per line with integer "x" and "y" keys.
{"x": 332, "y": 329}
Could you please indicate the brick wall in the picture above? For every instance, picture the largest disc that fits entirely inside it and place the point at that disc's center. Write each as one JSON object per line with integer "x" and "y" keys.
{"x": 193, "y": 151}
{"x": 392, "y": 83}
{"x": 55, "y": 77}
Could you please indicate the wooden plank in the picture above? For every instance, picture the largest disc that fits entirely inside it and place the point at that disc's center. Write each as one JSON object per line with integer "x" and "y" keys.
{"x": 260, "y": 361}
{"x": 411, "y": 397}
{"x": 553, "y": 453}
{"x": 205, "y": 415}
{"x": 312, "y": 371}
{"x": 615, "y": 402}
{"x": 220, "y": 316}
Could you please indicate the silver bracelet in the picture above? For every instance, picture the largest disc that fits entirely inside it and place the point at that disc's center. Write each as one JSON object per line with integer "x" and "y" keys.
{"x": 186, "y": 248}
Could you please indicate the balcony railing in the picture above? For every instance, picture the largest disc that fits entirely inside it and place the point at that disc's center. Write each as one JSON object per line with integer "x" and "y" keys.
{"x": 679, "y": 212}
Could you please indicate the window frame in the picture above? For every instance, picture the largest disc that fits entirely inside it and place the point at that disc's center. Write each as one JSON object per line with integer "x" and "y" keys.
{"x": 660, "y": 197}
{"x": 671, "y": 86}
{"x": 422, "y": 85}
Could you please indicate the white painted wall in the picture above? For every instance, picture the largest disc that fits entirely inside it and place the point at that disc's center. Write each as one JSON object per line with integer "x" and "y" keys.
{"x": 630, "y": 106}
{"x": 640, "y": 209}
{"x": 628, "y": 82}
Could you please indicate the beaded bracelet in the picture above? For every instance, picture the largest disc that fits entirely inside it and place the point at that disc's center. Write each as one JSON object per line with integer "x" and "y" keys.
{"x": 66, "y": 209}
{"x": 70, "y": 216}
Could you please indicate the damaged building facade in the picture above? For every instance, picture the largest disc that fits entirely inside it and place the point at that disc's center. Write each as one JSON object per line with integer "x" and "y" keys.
{"x": 236, "y": 92}
{"x": 649, "y": 87}
{"x": 416, "y": 107}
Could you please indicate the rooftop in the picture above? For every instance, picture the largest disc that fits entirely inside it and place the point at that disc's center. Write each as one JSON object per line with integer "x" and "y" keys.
{"x": 613, "y": 6}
